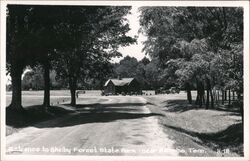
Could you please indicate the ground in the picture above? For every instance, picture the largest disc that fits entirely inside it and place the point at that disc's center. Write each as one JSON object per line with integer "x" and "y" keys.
{"x": 125, "y": 125}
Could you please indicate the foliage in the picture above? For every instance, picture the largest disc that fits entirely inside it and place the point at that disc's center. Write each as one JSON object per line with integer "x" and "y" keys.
{"x": 77, "y": 41}
{"x": 126, "y": 67}
{"x": 145, "y": 71}
{"x": 33, "y": 79}
{"x": 91, "y": 43}
{"x": 196, "y": 44}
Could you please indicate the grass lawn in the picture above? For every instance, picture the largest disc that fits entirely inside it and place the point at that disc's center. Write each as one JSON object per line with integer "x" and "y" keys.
{"x": 195, "y": 128}
{"x": 32, "y": 101}
{"x": 31, "y": 98}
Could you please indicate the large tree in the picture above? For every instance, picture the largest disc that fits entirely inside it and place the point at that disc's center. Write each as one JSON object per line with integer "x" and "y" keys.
{"x": 43, "y": 21}
{"x": 90, "y": 37}
{"x": 126, "y": 67}
{"x": 71, "y": 39}
{"x": 19, "y": 49}
{"x": 30, "y": 41}
{"x": 189, "y": 40}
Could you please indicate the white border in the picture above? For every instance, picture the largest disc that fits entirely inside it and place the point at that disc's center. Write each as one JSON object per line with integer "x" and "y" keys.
{"x": 244, "y": 4}
{"x": 3, "y": 76}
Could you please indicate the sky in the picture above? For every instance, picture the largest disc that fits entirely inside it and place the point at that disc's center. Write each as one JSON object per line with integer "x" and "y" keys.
{"x": 134, "y": 50}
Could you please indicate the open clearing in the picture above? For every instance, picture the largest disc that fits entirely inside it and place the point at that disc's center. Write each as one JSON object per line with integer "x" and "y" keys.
{"x": 127, "y": 125}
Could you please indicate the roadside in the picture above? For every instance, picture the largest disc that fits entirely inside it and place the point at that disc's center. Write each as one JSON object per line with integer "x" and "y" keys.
{"x": 195, "y": 132}
{"x": 114, "y": 125}
{"x": 198, "y": 132}
{"x": 32, "y": 115}
{"x": 34, "y": 112}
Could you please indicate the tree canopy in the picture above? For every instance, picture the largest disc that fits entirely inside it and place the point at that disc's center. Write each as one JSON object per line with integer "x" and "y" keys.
{"x": 75, "y": 41}
{"x": 196, "y": 44}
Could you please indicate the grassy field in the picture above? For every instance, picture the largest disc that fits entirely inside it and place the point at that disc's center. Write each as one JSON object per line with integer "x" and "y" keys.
{"x": 31, "y": 98}
{"x": 191, "y": 127}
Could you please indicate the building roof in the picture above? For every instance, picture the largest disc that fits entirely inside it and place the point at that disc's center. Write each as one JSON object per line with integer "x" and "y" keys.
{"x": 120, "y": 82}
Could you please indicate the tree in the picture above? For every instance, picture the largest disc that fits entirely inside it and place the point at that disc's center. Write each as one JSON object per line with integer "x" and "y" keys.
{"x": 93, "y": 35}
{"x": 67, "y": 37}
{"x": 30, "y": 38}
{"x": 43, "y": 21}
{"x": 19, "y": 50}
{"x": 152, "y": 73}
{"x": 188, "y": 40}
{"x": 144, "y": 61}
{"x": 145, "y": 71}
{"x": 34, "y": 79}
{"x": 126, "y": 67}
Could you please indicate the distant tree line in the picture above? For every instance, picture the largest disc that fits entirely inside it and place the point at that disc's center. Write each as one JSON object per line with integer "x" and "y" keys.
{"x": 77, "y": 42}
{"x": 33, "y": 80}
{"x": 144, "y": 71}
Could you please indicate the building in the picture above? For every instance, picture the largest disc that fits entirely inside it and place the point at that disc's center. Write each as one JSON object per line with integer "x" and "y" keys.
{"x": 122, "y": 86}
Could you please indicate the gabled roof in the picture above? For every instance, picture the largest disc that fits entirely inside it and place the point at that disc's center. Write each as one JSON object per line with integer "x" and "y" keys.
{"x": 120, "y": 82}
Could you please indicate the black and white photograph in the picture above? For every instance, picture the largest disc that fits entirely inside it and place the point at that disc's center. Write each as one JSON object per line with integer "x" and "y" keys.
{"x": 124, "y": 79}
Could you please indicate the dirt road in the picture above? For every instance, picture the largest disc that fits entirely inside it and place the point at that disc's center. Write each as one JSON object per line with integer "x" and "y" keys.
{"x": 116, "y": 125}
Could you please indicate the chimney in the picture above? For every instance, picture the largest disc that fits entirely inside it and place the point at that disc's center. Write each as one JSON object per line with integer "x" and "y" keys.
{"x": 119, "y": 77}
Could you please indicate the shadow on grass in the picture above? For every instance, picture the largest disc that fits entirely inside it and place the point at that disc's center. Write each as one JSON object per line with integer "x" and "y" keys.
{"x": 183, "y": 106}
{"x": 232, "y": 108}
{"x": 33, "y": 114}
{"x": 86, "y": 113}
{"x": 178, "y": 106}
{"x": 98, "y": 113}
{"x": 231, "y": 137}
{"x": 110, "y": 105}
{"x": 85, "y": 118}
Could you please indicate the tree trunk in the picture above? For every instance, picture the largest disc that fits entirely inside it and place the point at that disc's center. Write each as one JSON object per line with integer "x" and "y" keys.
{"x": 209, "y": 91}
{"x": 73, "y": 97}
{"x": 16, "y": 102}
{"x": 72, "y": 85}
{"x": 218, "y": 95}
{"x": 242, "y": 114}
{"x": 238, "y": 96}
{"x": 222, "y": 97}
{"x": 225, "y": 95}
{"x": 207, "y": 103}
{"x": 229, "y": 98}
{"x": 212, "y": 98}
{"x": 197, "y": 98}
{"x": 215, "y": 96}
{"x": 189, "y": 95}
{"x": 200, "y": 94}
{"x": 203, "y": 98}
{"x": 46, "y": 100}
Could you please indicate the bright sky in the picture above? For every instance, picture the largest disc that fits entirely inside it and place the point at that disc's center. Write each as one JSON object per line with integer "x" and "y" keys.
{"x": 134, "y": 50}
